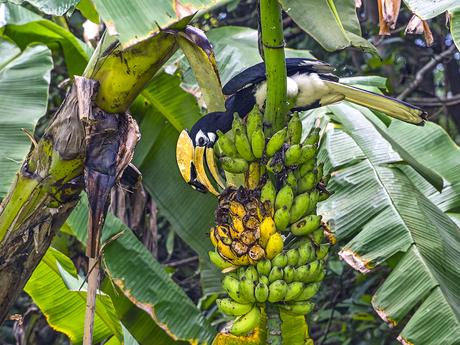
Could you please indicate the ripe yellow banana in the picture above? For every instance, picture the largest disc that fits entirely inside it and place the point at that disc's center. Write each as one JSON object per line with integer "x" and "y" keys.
{"x": 230, "y": 307}
{"x": 274, "y": 245}
{"x": 267, "y": 229}
{"x": 246, "y": 323}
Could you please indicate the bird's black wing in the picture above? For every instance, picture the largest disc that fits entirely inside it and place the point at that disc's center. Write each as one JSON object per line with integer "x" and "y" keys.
{"x": 241, "y": 102}
{"x": 255, "y": 74}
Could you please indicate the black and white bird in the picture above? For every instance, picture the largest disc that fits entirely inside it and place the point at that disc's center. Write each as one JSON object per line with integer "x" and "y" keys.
{"x": 310, "y": 84}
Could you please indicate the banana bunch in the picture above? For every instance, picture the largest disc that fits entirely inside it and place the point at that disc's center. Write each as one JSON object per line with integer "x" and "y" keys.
{"x": 245, "y": 232}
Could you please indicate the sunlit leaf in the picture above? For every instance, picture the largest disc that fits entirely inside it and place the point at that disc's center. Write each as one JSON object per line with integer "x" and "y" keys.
{"x": 53, "y": 7}
{"x": 427, "y": 9}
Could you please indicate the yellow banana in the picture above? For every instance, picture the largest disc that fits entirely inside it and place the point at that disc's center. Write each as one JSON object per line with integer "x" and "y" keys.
{"x": 267, "y": 229}
{"x": 253, "y": 175}
{"x": 274, "y": 245}
{"x": 237, "y": 209}
{"x": 256, "y": 253}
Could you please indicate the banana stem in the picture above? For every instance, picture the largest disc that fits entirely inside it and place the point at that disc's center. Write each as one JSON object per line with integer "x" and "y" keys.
{"x": 273, "y": 325}
{"x": 273, "y": 49}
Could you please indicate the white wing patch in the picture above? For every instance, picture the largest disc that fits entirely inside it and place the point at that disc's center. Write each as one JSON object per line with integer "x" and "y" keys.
{"x": 261, "y": 91}
{"x": 311, "y": 88}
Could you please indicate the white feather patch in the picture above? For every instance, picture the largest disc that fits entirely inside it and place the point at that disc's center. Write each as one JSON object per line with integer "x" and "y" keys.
{"x": 261, "y": 91}
{"x": 311, "y": 88}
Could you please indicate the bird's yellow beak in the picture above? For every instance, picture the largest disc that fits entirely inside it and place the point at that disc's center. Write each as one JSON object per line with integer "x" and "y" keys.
{"x": 184, "y": 155}
{"x": 199, "y": 161}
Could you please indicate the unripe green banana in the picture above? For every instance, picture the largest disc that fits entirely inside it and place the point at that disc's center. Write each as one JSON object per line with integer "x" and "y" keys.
{"x": 251, "y": 273}
{"x": 254, "y": 121}
{"x": 264, "y": 279}
{"x": 217, "y": 260}
{"x": 276, "y": 142}
{"x": 306, "y": 253}
{"x": 294, "y": 130}
{"x": 300, "y": 308}
{"x": 281, "y": 218}
{"x": 258, "y": 143}
{"x": 234, "y": 165}
{"x": 313, "y": 137}
{"x": 293, "y": 290}
{"x": 301, "y": 273}
{"x": 292, "y": 155}
{"x": 230, "y": 307}
{"x": 231, "y": 285}
{"x": 320, "y": 276}
{"x": 275, "y": 165}
{"x": 246, "y": 323}
{"x": 306, "y": 182}
{"x": 291, "y": 180}
{"x": 308, "y": 152}
{"x": 308, "y": 291}
{"x": 307, "y": 167}
{"x": 268, "y": 193}
{"x": 306, "y": 225}
{"x": 264, "y": 267}
{"x": 326, "y": 179}
{"x": 237, "y": 124}
{"x": 246, "y": 288}
{"x": 227, "y": 146}
{"x": 292, "y": 257}
{"x": 275, "y": 274}
{"x": 284, "y": 197}
{"x": 323, "y": 196}
{"x": 322, "y": 251}
{"x": 317, "y": 236}
{"x": 243, "y": 146}
{"x": 289, "y": 274}
{"x": 315, "y": 269}
{"x": 314, "y": 196}
{"x": 261, "y": 292}
{"x": 319, "y": 172}
{"x": 280, "y": 260}
{"x": 277, "y": 291}
{"x": 299, "y": 207}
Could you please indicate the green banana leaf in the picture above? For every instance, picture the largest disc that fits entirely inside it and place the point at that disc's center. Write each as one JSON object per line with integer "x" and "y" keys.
{"x": 377, "y": 213}
{"x": 455, "y": 25}
{"x": 136, "y": 20}
{"x": 134, "y": 271}
{"x": 55, "y": 288}
{"x": 339, "y": 17}
{"x": 24, "y": 27}
{"x": 24, "y": 82}
{"x": 53, "y": 7}
{"x": 427, "y": 9}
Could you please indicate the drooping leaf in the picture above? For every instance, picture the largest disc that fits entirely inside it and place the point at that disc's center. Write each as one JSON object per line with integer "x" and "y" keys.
{"x": 24, "y": 81}
{"x": 87, "y": 9}
{"x": 25, "y": 27}
{"x": 455, "y": 25}
{"x": 54, "y": 287}
{"x": 132, "y": 268}
{"x": 53, "y": 7}
{"x": 377, "y": 212}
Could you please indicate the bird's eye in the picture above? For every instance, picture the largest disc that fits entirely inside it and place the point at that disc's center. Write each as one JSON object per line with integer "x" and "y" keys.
{"x": 201, "y": 139}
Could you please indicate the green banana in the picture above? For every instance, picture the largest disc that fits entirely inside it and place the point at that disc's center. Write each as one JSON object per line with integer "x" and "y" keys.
{"x": 314, "y": 196}
{"x": 302, "y": 273}
{"x": 306, "y": 182}
{"x": 264, "y": 267}
{"x": 268, "y": 193}
{"x": 315, "y": 269}
{"x": 322, "y": 251}
{"x": 306, "y": 225}
{"x": 226, "y": 145}
{"x": 246, "y": 288}
{"x": 275, "y": 165}
{"x": 319, "y": 172}
{"x": 243, "y": 146}
{"x": 230, "y": 307}
{"x": 252, "y": 176}
{"x": 275, "y": 143}
{"x": 323, "y": 196}
{"x": 300, "y": 308}
{"x": 254, "y": 121}
{"x": 277, "y": 291}
{"x": 246, "y": 323}
{"x": 237, "y": 124}
{"x": 293, "y": 290}
{"x": 306, "y": 167}
{"x": 292, "y": 257}
{"x": 299, "y": 207}
{"x": 307, "y": 153}
{"x": 275, "y": 274}
{"x": 280, "y": 260}
{"x": 313, "y": 137}
{"x": 289, "y": 274}
{"x": 264, "y": 279}
{"x": 231, "y": 285}
{"x": 306, "y": 253}
{"x": 251, "y": 273}
{"x": 234, "y": 165}
{"x": 258, "y": 143}
{"x": 284, "y": 197}
{"x": 292, "y": 155}
{"x": 308, "y": 291}
{"x": 291, "y": 180}
{"x": 281, "y": 218}
{"x": 294, "y": 129}
{"x": 261, "y": 292}
{"x": 217, "y": 260}
{"x": 317, "y": 236}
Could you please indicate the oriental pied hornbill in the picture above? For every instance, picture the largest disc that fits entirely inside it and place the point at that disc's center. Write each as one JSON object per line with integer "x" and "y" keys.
{"x": 310, "y": 84}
